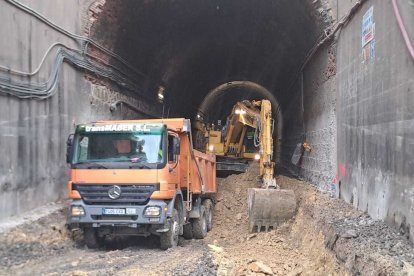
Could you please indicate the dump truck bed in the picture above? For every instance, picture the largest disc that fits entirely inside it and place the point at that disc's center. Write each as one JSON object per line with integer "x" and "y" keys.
{"x": 198, "y": 169}
{"x": 203, "y": 173}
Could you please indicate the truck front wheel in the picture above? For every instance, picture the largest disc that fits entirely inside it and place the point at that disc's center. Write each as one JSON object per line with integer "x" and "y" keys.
{"x": 91, "y": 238}
{"x": 170, "y": 239}
{"x": 200, "y": 224}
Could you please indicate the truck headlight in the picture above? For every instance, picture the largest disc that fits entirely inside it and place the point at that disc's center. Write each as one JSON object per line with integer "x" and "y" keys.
{"x": 257, "y": 156}
{"x": 152, "y": 211}
{"x": 77, "y": 211}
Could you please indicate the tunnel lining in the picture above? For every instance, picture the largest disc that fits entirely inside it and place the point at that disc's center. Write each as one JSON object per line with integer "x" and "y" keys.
{"x": 211, "y": 98}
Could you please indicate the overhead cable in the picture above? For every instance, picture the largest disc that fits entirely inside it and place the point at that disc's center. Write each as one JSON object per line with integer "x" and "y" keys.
{"x": 47, "y": 89}
{"x": 74, "y": 36}
{"x": 78, "y": 58}
{"x": 403, "y": 29}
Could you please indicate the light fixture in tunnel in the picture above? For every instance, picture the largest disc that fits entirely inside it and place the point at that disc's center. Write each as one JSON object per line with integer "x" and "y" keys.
{"x": 240, "y": 112}
{"x": 161, "y": 90}
{"x": 200, "y": 117}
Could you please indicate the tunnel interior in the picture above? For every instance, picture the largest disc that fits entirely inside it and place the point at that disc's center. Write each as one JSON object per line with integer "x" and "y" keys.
{"x": 191, "y": 48}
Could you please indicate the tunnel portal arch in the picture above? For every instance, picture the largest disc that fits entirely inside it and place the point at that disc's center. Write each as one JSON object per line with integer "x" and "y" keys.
{"x": 208, "y": 103}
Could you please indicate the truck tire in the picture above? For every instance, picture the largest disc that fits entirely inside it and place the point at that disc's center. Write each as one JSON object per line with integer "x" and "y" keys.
{"x": 91, "y": 238}
{"x": 200, "y": 225}
{"x": 170, "y": 239}
{"x": 209, "y": 208}
{"x": 188, "y": 231}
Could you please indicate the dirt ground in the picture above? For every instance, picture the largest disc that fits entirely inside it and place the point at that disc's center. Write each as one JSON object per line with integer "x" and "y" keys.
{"x": 326, "y": 237}
{"x": 48, "y": 248}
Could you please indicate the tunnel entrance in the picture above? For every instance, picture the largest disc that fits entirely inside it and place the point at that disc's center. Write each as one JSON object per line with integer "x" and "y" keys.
{"x": 218, "y": 103}
{"x": 196, "y": 50}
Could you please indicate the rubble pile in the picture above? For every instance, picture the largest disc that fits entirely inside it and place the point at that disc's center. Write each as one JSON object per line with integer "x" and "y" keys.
{"x": 238, "y": 252}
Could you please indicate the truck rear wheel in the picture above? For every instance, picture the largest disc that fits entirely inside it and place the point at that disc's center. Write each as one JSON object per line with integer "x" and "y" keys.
{"x": 209, "y": 208}
{"x": 170, "y": 239}
{"x": 91, "y": 238}
{"x": 188, "y": 231}
{"x": 200, "y": 225}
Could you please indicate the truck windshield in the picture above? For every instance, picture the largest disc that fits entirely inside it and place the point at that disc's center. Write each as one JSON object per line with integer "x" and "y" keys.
{"x": 118, "y": 150}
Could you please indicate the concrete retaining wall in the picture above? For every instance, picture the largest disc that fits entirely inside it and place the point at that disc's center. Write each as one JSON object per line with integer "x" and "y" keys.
{"x": 368, "y": 160}
{"x": 33, "y": 133}
{"x": 376, "y": 116}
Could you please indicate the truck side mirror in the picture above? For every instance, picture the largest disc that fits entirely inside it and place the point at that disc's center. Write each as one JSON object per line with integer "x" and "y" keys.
{"x": 69, "y": 146}
{"x": 176, "y": 146}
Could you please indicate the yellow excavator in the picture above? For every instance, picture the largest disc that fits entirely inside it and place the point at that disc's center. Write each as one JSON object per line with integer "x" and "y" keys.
{"x": 236, "y": 142}
{"x": 251, "y": 122}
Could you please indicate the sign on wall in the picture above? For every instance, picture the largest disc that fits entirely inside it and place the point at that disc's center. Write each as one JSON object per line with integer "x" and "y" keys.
{"x": 368, "y": 35}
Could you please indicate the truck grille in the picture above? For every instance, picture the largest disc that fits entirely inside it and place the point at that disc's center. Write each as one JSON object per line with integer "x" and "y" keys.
{"x": 97, "y": 217}
{"x": 95, "y": 194}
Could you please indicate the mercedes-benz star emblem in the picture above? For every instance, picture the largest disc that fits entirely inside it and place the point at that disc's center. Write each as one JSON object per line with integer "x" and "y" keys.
{"x": 114, "y": 192}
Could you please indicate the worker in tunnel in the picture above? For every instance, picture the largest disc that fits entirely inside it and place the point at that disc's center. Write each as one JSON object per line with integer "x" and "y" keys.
{"x": 140, "y": 150}
{"x": 122, "y": 146}
{"x": 139, "y": 154}
{"x": 131, "y": 148}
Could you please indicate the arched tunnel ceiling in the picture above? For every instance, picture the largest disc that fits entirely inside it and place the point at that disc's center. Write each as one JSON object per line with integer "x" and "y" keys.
{"x": 190, "y": 47}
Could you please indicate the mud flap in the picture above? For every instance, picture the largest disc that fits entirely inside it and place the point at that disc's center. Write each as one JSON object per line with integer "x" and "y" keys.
{"x": 270, "y": 207}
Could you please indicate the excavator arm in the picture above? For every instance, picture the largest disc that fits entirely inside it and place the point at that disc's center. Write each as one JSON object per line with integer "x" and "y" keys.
{"x": 266, "y": 144}
{"x": 268, "y": 206}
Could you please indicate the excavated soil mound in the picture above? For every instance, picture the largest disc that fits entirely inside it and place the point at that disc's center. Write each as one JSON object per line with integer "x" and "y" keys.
{"x": 295, "y": 248}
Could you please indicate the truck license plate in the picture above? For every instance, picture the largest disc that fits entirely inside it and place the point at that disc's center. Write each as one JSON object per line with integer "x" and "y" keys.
{"x": 112, "y": 211}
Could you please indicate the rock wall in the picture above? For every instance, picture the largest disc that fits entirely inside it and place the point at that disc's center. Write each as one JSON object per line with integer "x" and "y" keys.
{"x": 311, "y": 118}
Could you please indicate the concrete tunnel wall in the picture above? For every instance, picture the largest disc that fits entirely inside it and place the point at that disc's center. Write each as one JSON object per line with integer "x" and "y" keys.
{"x": 363, "y": 104}
{"x": 33, "y": 133}
{"x": 192, "y": 47}
{"x": 375, "y": 114}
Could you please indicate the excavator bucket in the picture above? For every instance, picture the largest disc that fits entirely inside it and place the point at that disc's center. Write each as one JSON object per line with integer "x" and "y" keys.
{"x": 269, "y": 208}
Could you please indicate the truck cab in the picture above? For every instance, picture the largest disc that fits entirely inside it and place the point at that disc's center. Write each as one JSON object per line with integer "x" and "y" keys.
{"x": 139, "y": 177}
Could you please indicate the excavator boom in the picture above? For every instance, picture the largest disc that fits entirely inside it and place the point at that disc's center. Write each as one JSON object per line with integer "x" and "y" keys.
{"x": 268, "y": 206}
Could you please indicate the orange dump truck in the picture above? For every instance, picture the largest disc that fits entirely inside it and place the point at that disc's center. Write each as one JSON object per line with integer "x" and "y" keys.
{"x": 139, "y": 177}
